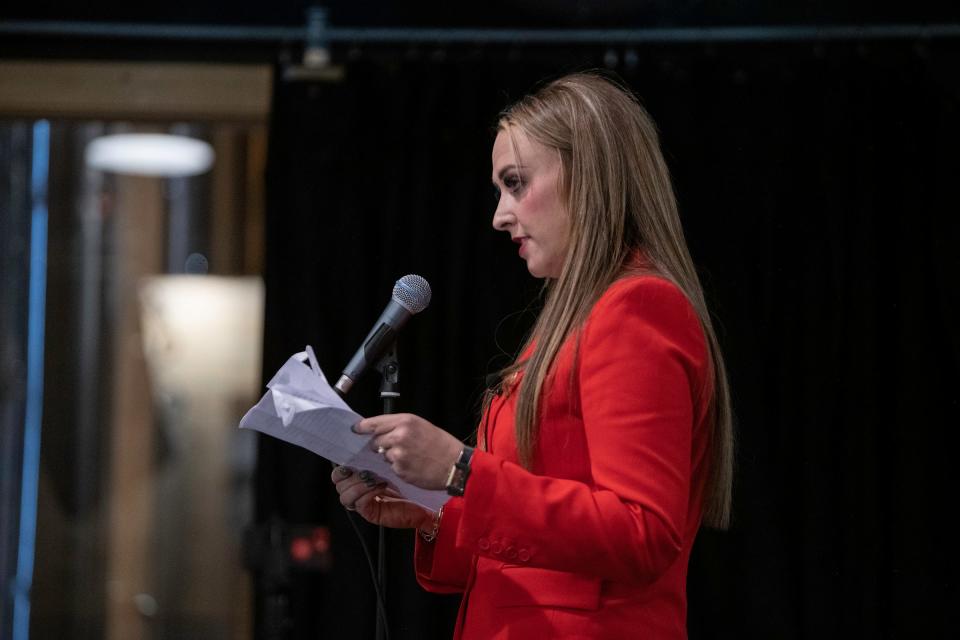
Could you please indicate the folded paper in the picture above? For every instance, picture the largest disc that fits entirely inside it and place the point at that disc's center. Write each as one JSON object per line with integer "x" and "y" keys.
{"x": 303, "y": 409}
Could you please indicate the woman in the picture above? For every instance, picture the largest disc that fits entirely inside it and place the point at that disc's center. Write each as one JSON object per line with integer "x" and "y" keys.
{"x": 609, "y": 441}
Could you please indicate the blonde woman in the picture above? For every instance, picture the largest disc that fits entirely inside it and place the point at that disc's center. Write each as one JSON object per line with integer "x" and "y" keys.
{"x": 609, "y": 441}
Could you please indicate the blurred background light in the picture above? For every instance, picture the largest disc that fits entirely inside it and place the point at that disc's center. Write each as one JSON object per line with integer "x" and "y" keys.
{"x": 202, "y": 335}
{"x": 150, "y": 154}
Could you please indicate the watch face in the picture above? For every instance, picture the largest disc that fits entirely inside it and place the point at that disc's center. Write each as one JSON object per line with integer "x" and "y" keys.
{"x": 458, "y": 478}
{"x": 455, "y": 489}
{"x": 459, "y": 473}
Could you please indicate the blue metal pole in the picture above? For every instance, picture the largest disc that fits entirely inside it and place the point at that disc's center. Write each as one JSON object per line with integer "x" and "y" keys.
{"x": 34, "y": 396}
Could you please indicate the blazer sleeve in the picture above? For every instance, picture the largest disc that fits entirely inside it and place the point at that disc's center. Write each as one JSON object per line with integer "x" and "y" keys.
{"x": 642, "y": 360}
{"x": 441, "y": 566}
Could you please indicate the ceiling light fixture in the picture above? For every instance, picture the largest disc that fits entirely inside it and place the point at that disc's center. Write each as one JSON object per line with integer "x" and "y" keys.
{"x": 150, "y": 154}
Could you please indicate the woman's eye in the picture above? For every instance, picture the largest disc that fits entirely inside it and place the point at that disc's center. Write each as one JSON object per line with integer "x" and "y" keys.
{"x": 513, "y": 184}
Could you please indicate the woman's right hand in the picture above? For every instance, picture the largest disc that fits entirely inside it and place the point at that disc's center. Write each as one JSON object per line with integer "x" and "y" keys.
{"x": 363, "y": 493}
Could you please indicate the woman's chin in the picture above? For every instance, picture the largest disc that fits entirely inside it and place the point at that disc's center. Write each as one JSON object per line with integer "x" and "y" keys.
{"x": 535, "y": 272}
{"x": 538, "y": 270}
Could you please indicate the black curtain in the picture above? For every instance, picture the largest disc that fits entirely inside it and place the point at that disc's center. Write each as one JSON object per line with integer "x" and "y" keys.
{"x": 16, "y": 156}
{"x": 816, "y": 188}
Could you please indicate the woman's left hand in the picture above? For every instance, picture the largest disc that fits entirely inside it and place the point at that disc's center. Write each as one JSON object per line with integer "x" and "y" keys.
{"x": 419, "y": 452}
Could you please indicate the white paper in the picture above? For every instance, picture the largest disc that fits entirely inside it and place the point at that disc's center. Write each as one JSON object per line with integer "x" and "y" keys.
{"x": 303, "y": 409}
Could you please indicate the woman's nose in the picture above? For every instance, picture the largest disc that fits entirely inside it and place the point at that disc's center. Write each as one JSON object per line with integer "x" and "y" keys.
{"x": 502, "y": 218}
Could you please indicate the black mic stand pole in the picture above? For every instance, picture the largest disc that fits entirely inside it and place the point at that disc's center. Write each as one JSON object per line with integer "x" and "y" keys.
{"x": 389, "y": 368}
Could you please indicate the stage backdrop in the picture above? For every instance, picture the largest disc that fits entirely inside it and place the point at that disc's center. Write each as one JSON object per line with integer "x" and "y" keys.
{"x": 817, "y": 189}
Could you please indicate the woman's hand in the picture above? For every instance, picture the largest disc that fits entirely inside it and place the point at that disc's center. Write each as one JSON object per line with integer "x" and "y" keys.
{"x": 363, "y": 493}
{"x": 419, "y": 452}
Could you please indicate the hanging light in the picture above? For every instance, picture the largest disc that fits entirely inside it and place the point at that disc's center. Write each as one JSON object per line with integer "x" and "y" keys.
{"x": 202, "y": 335}
{"x": 150, "y": 154}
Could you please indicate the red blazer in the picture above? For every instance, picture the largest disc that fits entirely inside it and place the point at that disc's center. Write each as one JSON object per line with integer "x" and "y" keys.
{"x": 594, "y": 541}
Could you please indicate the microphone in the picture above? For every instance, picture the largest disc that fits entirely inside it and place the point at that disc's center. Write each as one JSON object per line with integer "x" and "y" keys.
{"x": 411, "y": 295}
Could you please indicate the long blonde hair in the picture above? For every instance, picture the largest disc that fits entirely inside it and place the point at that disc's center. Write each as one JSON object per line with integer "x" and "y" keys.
{"x": 619, "y": 199}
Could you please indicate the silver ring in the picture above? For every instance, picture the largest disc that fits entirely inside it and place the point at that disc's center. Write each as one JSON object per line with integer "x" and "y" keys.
{"x": 381, "y": 450}
{"x": 350, "y": 507}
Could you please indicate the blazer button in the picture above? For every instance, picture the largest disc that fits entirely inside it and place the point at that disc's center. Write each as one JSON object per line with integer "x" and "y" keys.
{"x": 524, "y": 555}
{"x": 511, "y": 553}
{"x": 496, "y": 548}
{"x": 483, "y": 544}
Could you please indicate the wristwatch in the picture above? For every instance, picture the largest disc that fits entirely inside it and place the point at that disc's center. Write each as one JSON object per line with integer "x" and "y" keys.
{"x": 459, "y": 472}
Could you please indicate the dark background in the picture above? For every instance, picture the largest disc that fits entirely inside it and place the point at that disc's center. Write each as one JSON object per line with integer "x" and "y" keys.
{"x": 817, "y": 184}
{"x": 506, "y": 13}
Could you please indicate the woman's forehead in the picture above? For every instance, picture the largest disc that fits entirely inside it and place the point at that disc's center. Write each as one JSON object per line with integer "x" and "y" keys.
{"x": 504, "y": 148}
{"x": 514, "y": 146}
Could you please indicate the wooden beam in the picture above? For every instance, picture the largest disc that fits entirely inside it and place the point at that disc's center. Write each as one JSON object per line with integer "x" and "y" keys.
{"x": 135, "y": 91}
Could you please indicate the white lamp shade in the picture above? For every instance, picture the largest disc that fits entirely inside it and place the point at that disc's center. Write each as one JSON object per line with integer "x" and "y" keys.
{"x": 202, "y": 335}
{"x": 150, "y": 154}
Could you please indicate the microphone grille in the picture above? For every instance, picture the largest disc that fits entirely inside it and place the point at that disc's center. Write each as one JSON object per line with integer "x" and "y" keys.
{"x": 413, "y": 292}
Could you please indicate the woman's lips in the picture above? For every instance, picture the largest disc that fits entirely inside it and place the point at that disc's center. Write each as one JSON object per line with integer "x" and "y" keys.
{"x": 522, "y": 241}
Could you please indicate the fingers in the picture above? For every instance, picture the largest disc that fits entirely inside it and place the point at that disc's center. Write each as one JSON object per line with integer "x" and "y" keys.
{"x": 405, "y": 429}
{"x": 367, "y": 425}
{"x": 345, "y": 477}
{"x": 368, "y": 478}
{"x": 386, "y": 441}
{"x": 355, "y": 490}
{"x": 379, "y": 425}
{"x": 353, "y": 486}
{"x": 389, "y": 447}
{"x": 367, "y": 499}
{"x": 340, "y": 472}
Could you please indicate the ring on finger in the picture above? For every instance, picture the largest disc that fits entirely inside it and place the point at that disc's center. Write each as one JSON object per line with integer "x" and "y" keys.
{"x": 350, "y": 507}
{"x": 381, "y": 450}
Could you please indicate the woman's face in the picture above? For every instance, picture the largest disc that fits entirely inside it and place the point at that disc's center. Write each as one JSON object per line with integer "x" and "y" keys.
{"x": 529, "y": 205}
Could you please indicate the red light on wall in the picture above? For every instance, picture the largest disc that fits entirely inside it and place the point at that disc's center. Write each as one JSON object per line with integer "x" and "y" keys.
{"x": 321, "y": 540}
{"x": 300, "y": 549}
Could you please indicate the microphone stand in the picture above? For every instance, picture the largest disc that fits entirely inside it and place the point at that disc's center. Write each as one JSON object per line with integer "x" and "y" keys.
{"x": 389, "y": 368}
